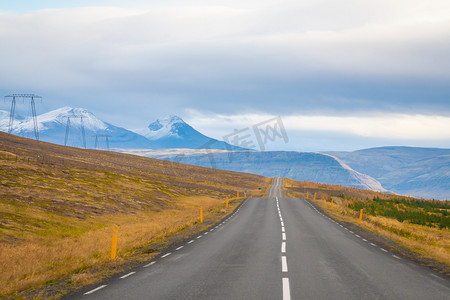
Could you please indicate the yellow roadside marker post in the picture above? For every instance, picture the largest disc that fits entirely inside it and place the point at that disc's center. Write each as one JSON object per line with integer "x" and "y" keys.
{"x": 237, "y": 194}
{"x": 315, "y": 196}
{"x": 331, "y": 207}
{"x": 201, "y": 215}
{"x": 307, "y": 195}
{"x": 226, "y": 203}
{"x": 114, "y": 242}
{"x": 360, "y": 216}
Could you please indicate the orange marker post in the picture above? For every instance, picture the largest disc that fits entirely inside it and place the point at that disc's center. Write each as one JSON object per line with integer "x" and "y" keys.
{"x": 226, "y": 203}
{"x": 331, "y": 206}
{"x": 237, "y": 194}
{"x": 360, "y": 216}
{"x": 315, "y": 196}
{"x": 201, "y": 215}
{"x": 307, "y": 195}
{"x": 114, "y": 242}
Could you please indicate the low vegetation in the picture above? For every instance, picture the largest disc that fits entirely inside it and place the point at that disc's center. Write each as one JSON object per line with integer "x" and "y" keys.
{"x": 58, "y": 206}
{"x": 418, "y": 224}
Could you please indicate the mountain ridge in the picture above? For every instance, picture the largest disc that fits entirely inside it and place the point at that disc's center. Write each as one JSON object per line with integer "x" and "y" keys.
{"x": 416, "y": 171}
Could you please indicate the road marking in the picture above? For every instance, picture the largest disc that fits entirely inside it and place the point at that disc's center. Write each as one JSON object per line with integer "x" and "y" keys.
{"x": 384, "y": 250}
{"x": 372, "y": 244}
{"x": 282, "y": 229}
{"x": 129, "y": 274}
{"x": 283, "y": 236}
{"x": 351, "y": 231}
{"x": 284, "y": 267}
{"x": 205, "y": 233}
{"x": 148, "y": 265}
{"x": 396, "y": 256}
{"x": 364, "y": 240}
{"x": 96, "y": 289}
{"x": 282, "y": 223}
{"x": 357, "y": 235}
{"x": 286, "y": 289}
{"x": 283, "y": 247}
{"x": 281, "y": 219}
{"x": 199, "y": 236}
{"x": 191, "y": 241}
{"x": 179, "y": 248}
{"x": 341, "y": 225}
{"x": 211, "y": 230}
{"x": 165, "y": 255}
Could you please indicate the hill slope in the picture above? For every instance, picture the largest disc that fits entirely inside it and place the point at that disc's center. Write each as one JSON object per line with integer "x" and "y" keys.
{"x": 58, "y": 205}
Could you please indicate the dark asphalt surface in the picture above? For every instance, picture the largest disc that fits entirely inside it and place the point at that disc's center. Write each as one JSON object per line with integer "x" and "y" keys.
{"x": 275, "y": 248}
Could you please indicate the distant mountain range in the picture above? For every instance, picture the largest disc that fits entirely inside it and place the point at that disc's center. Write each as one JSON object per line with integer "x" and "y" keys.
{"x": 170, "y": 132}
{"x": 421, "y": 172}
{"x": 306, "y": 166}
{"x": 53, "y": 125}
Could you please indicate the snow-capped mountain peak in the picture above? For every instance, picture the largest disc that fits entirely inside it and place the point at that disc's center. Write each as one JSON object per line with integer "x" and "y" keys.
{"x": 170, "y": 126}
{"x": 60, "y": 115}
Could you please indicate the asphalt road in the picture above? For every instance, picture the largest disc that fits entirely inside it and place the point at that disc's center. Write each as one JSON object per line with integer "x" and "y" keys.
{"x": 275, "y": 248}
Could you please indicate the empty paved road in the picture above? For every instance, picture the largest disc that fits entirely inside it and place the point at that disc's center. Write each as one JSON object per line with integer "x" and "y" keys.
{"x": 275, "y": 248}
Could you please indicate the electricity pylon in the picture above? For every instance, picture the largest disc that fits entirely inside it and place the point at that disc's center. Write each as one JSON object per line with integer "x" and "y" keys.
{"x": 82, "y": 129}
{"x": 101, "y": 135}
{"x": 33, "y": 111}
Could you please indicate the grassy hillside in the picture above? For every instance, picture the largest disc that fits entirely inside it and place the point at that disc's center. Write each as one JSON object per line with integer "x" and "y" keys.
{"x": 58, "y": 205}
{"x": 417, "y": 224}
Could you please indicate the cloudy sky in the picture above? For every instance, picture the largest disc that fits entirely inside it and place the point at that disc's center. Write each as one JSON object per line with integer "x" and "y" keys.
{"x": 342, "y": 74}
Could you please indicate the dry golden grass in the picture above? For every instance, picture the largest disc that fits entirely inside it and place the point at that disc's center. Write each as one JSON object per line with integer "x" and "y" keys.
{"x": 429, "y": 242}
{"x": 42, "y": 259}
{"x": 58, "y": 205}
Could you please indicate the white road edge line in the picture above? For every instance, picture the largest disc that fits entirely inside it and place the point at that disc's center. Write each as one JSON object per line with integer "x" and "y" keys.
{"x": 191, "y": 241}
{"x": 283, "y": 236}
{"x": 286, "y": 289}
{"x": 96, "y": 289}
{"x": 126, "y": 275}
{"x": 284, "y": 267}
{"x": 384, "y": 250}
{"x": 148, "y": 265}
{"x": 165, "y": 255}
{"x": 179, "y": 248}
{"x": 396, "y": 256}
{"x": 283, "y": 247}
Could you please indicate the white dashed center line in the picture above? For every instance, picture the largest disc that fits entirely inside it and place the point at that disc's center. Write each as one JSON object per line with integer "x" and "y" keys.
{"x": 284, "y": 267}
{"x": 286, "y": 289}
{"x": 283, "y": 247}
